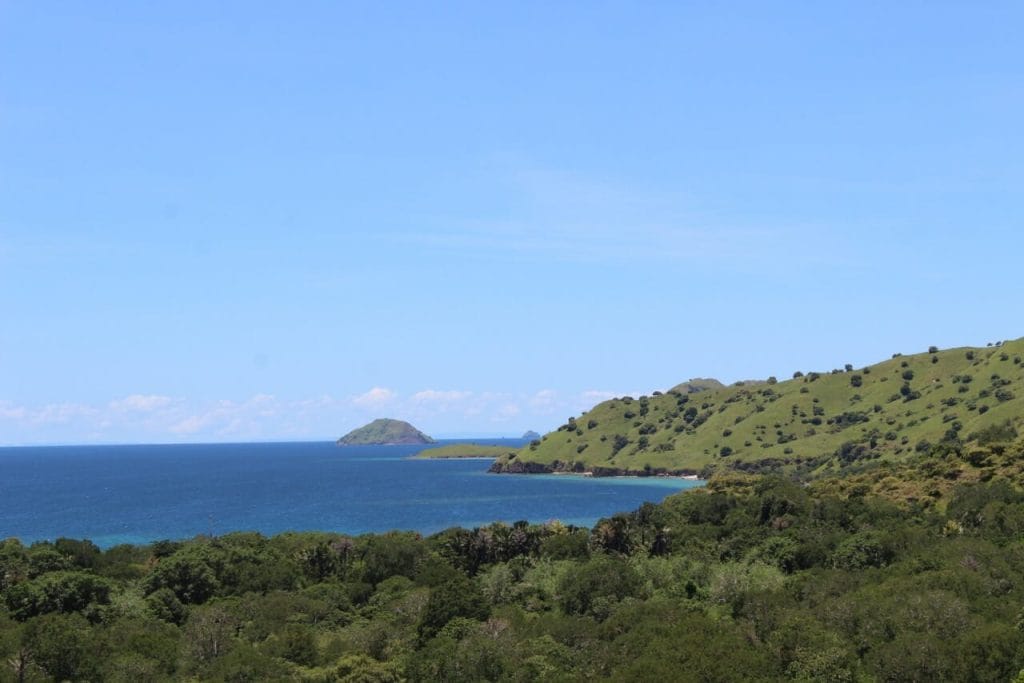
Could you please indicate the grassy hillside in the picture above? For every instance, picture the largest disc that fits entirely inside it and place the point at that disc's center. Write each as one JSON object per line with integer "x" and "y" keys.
{"x": 823, "y": 421}
{"x": 465, "y": 450}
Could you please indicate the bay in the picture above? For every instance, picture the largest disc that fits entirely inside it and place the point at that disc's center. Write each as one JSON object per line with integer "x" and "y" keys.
{"x": 144, "y": 493}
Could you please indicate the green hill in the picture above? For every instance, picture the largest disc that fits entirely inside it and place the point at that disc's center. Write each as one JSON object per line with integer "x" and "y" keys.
{"x": 384, "y": 432}
{"x": 816, "y": 422}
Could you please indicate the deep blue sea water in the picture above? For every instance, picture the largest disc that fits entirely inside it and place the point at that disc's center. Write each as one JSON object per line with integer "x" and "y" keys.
{"x": 139, "y": 494}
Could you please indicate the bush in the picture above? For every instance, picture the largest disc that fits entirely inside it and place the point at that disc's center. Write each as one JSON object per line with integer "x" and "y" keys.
{"x": 862, "y": 550}
{"x": 597, "y": 585}
{"x": 998, "y": 433}
{"x": 458, "y": 597}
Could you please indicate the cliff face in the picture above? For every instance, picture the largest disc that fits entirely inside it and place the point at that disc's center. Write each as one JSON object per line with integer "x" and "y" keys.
{"x": 385, "y": 432}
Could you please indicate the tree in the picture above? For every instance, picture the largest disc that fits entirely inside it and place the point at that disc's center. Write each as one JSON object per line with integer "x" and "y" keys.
{"x": 62, "y": 591}
{"x": 209, "y": 633}
{"x": 459, "y": 597}
{"x": 188, "y": 575}
{"x": 596, "y": 585}
{"x": 62, "y": 645}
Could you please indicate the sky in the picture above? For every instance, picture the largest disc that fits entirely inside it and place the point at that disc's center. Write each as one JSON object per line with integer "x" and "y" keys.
{"x": 244, "y": 221}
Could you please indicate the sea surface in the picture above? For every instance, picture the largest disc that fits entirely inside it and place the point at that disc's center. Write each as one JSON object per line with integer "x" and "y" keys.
{"x": 140, "y": 494}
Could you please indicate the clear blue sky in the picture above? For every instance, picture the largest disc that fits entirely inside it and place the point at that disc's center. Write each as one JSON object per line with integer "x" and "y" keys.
{"x": 243, "y": 220}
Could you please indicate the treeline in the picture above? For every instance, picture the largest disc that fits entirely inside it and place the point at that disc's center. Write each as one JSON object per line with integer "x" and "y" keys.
{"x": 752, "y": 578}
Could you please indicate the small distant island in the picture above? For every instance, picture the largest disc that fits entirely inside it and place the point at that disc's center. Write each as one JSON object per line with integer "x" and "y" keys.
{"x": 385, "y": 432}
{"x": 531, "y": 435}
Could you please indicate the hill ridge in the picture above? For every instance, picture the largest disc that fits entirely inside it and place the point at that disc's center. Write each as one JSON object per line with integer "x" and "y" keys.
{"x": 820, "y": 421}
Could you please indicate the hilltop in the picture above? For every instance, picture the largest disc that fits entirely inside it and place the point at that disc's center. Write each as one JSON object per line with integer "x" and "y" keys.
{"x": 815, "y": 422}
{"x": 384, "y": 432}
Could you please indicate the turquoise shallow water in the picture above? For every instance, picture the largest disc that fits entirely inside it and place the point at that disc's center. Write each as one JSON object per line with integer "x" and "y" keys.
{"x": 138, "y": 494}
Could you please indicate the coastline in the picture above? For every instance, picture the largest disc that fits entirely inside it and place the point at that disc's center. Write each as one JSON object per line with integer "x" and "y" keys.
{"x": 577, "y": 469}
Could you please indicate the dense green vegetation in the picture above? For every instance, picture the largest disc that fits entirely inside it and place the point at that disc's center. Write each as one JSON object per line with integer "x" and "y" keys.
{"x": 384, "y": 432}
{"x": 816, "y": 422}
{"x": 465, "y": 450}
{"x": 751, "y": 578}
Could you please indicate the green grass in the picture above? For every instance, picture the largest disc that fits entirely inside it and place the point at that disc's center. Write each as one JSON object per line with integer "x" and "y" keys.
{"x": 800, "y": 422}
{"x": 465, "y": 450}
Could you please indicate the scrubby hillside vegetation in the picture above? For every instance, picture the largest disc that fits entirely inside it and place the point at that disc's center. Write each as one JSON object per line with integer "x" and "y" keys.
{"x": 814, "y": 422}
{"x": 752, "y": 578}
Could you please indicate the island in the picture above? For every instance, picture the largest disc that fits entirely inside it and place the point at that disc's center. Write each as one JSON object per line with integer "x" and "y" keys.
{"x": 531, "y": 435}
{"x": 385, "y": 432}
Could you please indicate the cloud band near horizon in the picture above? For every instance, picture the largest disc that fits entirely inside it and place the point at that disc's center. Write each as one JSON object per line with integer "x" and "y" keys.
{"x": 156, "y": 418}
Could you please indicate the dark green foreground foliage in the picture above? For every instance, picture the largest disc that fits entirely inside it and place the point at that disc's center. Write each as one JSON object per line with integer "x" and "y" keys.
{"x": 750, "y": 579}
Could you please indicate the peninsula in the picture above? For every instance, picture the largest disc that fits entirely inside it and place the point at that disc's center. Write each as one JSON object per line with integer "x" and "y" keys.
{"x": 385, "y": 432}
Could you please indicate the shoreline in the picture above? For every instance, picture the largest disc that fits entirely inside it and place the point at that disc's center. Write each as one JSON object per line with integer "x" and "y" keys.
{"x": 578, "y": 469}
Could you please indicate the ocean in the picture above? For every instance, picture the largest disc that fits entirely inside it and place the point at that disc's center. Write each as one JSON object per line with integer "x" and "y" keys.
{"x": 140, "y": 494}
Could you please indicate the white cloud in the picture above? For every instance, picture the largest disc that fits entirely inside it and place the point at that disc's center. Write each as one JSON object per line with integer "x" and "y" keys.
{"x": 374, "y": 398}
{"x": 190, "y": 425}
{"x": 508, "y": 411}
{"x": 595, "y": 396}
{"x": 141, "y": 403}
{"x": 544, "y": 400}
{"x": 444, "y": 397}
{"x": 12, "y": 412}
{"x": 154, "y": 417}
{"x": 62, "y": 412}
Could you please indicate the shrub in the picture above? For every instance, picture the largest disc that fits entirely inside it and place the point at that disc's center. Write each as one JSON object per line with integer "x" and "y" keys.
{"x": 933, "y": 349}
{"x": 997, "y": 433}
